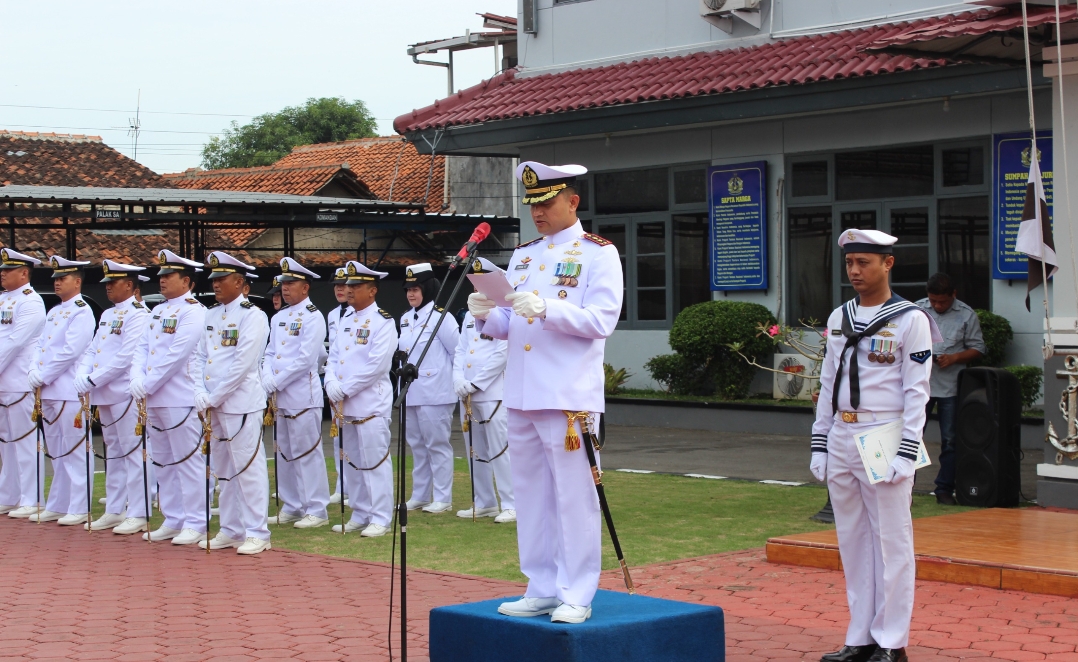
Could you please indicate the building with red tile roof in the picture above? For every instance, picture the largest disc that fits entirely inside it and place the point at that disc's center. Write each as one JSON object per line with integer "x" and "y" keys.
{"x": 325, "y": 180}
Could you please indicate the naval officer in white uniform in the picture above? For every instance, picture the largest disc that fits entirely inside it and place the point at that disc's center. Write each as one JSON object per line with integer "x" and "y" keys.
{"x": 567, "y": 302}
{"x": 340, "y": 293}
{"x": 290, "y": 369}
{"x": 69, "y": 328}
{"x": 229, "y": 392}
{"x": 430, "y": 397}
{"x": 358, "y": 384}
{"x": 163, "y": 374}
{"x": 478, "y": 379}
{"x": 22, "y": 318}
{"x": 878, "y": 364}
{"x": 105, "y": 373}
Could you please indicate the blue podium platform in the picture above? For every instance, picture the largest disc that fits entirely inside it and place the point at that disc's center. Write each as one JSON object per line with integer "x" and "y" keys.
{"x": 627, "y": 628}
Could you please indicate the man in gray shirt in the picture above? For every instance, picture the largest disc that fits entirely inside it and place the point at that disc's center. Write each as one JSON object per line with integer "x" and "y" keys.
{"x": 962, "y": 343}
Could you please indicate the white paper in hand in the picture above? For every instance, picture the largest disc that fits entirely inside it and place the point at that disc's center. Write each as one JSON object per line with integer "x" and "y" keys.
{"x": 878, "y": 447}
{"x": 494, "y": 285}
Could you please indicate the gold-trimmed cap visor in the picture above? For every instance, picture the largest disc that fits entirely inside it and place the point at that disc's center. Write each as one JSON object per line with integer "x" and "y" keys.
{"x": 546, "y": 190}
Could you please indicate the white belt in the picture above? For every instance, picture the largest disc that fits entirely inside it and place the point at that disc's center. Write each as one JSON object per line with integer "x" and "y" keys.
{"x": 867, "y": 416}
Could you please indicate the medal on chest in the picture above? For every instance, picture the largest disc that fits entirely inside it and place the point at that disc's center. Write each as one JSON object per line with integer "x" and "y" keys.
{"x": 115, "y": 327}
{"x": 7, "y": 316}
{"x": 567, "y": 273}
{"x": 230, "y": 337}
{"x": 294, "y": 327}
{"x": 882, "y": 351}
{"x": 168, "y": 325}
{"x": 362, "y": 335}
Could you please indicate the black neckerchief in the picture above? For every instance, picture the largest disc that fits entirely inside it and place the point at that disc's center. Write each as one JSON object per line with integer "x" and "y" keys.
{"x": 891, "y": 308}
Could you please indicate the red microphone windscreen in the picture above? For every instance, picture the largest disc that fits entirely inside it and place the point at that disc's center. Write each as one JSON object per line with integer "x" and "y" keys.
{"x": 482, "y": 231}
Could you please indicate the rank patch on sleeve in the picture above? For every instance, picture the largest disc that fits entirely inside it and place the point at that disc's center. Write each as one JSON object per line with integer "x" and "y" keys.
{"x": 921, "y": 357}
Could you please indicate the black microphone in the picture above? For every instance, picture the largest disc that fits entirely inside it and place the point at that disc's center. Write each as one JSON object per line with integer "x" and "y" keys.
{"x": 482, "y": 231}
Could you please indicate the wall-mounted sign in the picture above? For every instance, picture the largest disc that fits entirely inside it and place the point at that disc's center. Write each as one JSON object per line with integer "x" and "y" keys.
{"x": 325, "y": 218}
{"x": 107, "y": 213}
{"x": 737, "y": 204}
{"x": 1010, "y": 172}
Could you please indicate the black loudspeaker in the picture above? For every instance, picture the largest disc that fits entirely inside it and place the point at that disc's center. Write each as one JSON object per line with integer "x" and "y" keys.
{"x": 988, "y": 444}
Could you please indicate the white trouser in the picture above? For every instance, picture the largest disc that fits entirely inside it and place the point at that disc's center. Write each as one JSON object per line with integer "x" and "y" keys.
{"x": 18, "y": 475}
{"x": 302, "y": 482}
{"x": 126, "y": 486}
{"x": 487, "y": 441}
{"x": 370, "y": 492}
{"x": 175, "y": 433}
{"x": 875, "y": 541}
{"x": 558, "y": 528}
{"x": 67, "y": 494}
{"x": 429, "y": 427}
{"x": 244, "y": 481}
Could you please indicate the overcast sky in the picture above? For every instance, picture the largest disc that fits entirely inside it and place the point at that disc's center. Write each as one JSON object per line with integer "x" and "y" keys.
{"x": 202, "y": 64}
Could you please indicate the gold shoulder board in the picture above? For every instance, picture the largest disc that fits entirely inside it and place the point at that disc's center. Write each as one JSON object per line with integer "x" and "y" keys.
{"x": 596, "y": 239}
{"x": 529, "y": 243}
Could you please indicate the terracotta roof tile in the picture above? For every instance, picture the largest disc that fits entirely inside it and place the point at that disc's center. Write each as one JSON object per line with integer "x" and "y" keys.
{"x": 295, "y": 180}
{"x": 60, "y": 159}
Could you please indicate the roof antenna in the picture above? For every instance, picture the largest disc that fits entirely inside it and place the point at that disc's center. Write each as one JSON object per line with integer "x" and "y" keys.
{"x": 134, "y": 126}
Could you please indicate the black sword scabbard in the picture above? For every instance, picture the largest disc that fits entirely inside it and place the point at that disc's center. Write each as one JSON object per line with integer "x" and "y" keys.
{"x": 600, "y": 490}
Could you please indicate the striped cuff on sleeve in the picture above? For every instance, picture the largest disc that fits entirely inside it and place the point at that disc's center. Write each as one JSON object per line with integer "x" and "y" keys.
{"x": 819, "y": 443}
{"x": 908, "y": 449}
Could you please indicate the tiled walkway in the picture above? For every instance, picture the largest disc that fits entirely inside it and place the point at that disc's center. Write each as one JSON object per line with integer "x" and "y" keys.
{"x": 65, "y": 594}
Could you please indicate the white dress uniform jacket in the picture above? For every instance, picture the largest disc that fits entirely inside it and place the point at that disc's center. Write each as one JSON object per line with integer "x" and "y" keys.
{"x": 163, "y": 358}
{"x": 108, "y": 358}
{"x": 435, "y": 383}
{"x": 360, "y": 359}
{"x": 293, "y": 355}
{"x": 333, "y": 317}
{"x": 69, "y": 328}
{"x": 480, "y": 360}
{"x": 22, "y": 318}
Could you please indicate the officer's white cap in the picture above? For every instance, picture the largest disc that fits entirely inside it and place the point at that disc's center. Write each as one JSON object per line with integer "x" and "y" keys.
{"x": 222, "y": 264}
{"x": 62, "y": 266}
{"x": 418, "y": 273}
{"x": 358, "y": 273}
{"x": 292, "y": 270}
{"x": 10, "y": 259}
{"x": 144, "y": 279}
{"x": 543, "y": 182}
{"x": 114, "y": 270}
{"x": 866, "y": 241}
{"x": 482, "y": 265}
{"x": 169, "y": 263}
{"x": 340, "y": 276}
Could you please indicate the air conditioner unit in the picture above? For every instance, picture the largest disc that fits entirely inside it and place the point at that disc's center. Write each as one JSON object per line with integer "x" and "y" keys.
{"x": 791, "y": 382}
{"x": 721, "y": 13}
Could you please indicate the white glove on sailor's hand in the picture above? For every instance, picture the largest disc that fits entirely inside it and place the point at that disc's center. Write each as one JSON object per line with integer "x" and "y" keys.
{"x": 334, "y": 391}
{"x": 480, "y": 305}
{"x": 82, "y": 384}
{"x": 35, "y": 379}
{"x": 138, "y": 391}
{"x": 818, "y": 466}
{"x": 269, "y": 384}
{"x": 464, "y": 388}
{"x": 900, "y": 469}
{"x": 527, "y": 304}
{"x": 202, "y": 401}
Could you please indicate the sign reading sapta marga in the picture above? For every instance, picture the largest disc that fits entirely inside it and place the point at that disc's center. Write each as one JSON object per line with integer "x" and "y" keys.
{"x": 1010, "y": 172}
{"x": 737, "y": 203}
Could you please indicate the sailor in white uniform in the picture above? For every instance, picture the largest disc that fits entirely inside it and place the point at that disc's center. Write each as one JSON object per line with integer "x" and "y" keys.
{"x": 229, "y": 392}
{"x": 105, "y": 374}
{"x": 567, "y": 302}
{"x": 290, "y": 370}
{"x": 877, "y": 368}
{"x": 340, "y": 293}
{"x": 359, "y": 386}
{"x": 478, "y": 376}
{"x": 430, "y": 397}
{"x": 163, "y": 374}
{"x": 22, "y": 318}
{"x": 69, "y": 328}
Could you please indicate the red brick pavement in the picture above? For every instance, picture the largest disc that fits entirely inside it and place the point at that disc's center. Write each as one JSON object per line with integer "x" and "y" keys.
{"x": 66, "y": 594}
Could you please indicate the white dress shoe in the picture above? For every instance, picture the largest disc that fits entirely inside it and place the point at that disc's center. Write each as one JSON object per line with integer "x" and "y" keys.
{"x": 310, "y": 522}
{"x": 335, "y": 497}
{"x": 254, "y": 546}
{"x": 374, "y": 530}
{"x": 102, "y": 501}
{"x": 273, "y": 496}
{"x": 350, "y": 527}
{"x": 479, "y": 512}
{"x": 4, "y": 510}
{"x": 285, "y": 518}
{"x": 526, "y": 607}
{"x": 23, "y": 512}
{"x": 508, "y": 515}
{"x": 131, "y": 525}
{"x": 188, "y": 537}
{"x": 164, "y": 533}
{"x": 106, "y": 521}
{"x": 220, "y": 541}
{"x": 214, "y": 512}
{"x": 72, "y": 519}
{"x": 438, "y": 507}
{"x": 415, "y": 504}
{"x": 45, "y": 516}
{"x": 567, "y": 613}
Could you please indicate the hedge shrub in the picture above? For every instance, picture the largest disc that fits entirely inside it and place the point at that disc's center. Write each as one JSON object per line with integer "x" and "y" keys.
{"x": 1030, "y": 379}
{"x": 997, "y": 335}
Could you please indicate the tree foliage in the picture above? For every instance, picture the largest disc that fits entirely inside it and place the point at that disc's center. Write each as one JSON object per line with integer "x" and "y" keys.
{"x": 270, "y": 136}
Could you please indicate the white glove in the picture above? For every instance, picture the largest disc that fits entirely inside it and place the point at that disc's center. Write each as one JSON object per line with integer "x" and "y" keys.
{"x": 480, "y": 305}
{"x": 334, "y": 391}
{"x": 138, "y": 391}
{"x": 83, "y": 385}
{"x": 269, "y": 384}
{"x": 818, "y": 466}
{"x": 202, "y": 401}
{"x": 527, "y": 304}
{"x": 901, "y": 469}
{"x": 464, "y": 388}
{"x": 35, "y": 379}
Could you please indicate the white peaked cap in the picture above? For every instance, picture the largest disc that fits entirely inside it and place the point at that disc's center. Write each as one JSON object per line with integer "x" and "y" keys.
{"x": 292, "y": 270}
{"x": 357, "y": 273}
{"x": 866, "y": 241}
{"x": 222, "y": 264}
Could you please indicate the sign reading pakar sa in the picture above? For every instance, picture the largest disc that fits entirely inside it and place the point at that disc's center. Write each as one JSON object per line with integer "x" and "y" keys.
{"x": 737, "y": 204}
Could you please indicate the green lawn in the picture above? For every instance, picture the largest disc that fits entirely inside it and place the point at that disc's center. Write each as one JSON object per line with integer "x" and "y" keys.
{"x": 658, "y": 517}
{"x": 652, "y": 394}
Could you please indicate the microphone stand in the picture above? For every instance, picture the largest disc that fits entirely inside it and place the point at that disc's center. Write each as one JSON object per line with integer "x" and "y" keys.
{"x": 407, "y": 374}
